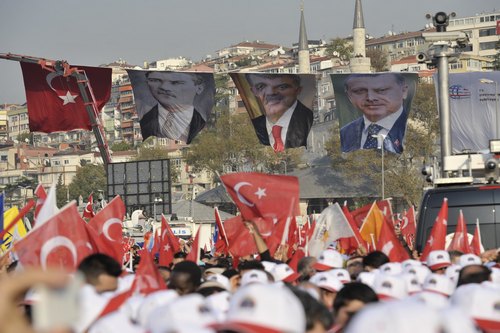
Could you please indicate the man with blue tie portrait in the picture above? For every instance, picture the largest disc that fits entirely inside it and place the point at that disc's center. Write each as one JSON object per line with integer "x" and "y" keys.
{"x": 381, "y": 99}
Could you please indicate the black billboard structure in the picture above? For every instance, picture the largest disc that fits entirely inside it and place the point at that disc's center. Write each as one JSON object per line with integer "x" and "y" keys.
{"x": 142, "y": 185}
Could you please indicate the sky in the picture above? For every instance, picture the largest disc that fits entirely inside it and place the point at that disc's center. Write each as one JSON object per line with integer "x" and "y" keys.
{"x": 95, "y": 32}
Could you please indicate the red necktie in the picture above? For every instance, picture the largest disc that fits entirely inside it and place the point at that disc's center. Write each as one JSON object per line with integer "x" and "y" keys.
{"x": 278, "y": 143}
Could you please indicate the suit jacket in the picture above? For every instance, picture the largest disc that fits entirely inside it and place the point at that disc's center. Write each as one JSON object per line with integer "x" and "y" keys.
{"x": 298, "y": 128}
{"x": 350, "y": 135}
{"x": 151, "y": 127}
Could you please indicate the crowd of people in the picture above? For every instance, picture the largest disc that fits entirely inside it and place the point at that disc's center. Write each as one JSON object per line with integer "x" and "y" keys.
{"x": 449, "y": 292}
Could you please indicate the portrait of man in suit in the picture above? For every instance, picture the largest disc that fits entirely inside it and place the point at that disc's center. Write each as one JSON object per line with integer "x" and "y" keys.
{"x": 174, "y": 116}
{"x": 286, "y": 121}
{"x": 381, "y": 100}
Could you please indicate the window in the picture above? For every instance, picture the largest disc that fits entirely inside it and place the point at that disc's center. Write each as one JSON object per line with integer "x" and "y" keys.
{"x": 487, "y": 46}
{"x": 66, "y": 161}
{"x": 487, "y": 32}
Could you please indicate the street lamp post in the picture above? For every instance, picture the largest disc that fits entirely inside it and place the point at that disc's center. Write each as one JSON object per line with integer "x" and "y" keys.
{"x": 497, "y": 116}
{"x": 380, "y": 144}
{"x": 156, "y": 201}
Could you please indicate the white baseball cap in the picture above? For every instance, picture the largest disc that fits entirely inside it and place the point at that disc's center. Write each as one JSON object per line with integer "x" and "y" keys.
{"x": 412, "y": 284}
{"x": 283, "y": 272}
{"x": 152, "y": 301}
{"x": 325, "y": 280}
{"x": 392, "y": 268}
{"x": 264, "y": 308}
{"x": 216, "y": 280}
{"x": 367, "y": 278}
{"x": 420, "y": 272}
{"x": 480, "y": 302}
{"x": 433, "y": 300}
{"x": 438, "y": 259}
{"x": 411, "y": 262}
{"x": 219, "y": 304}
{"x": 329, "y": 259}
{"x": 469, "y": 259}
{"x": 439, "y": 283}
{"x": 452, "y": 272}
{"x": 183, "y": 314}
{"x": 341, "y": 274}
{"x": 115, "y": 322}
{"x": 254, "y": 276}
{"x": 390, "y": 287}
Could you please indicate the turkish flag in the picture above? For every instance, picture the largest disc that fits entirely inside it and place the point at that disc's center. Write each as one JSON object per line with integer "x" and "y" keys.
{"x": 460, "y": 240}
{"x": 60, "y": 242}
{"x": 359, "y": 214}
{"x": 408, "y": 224}
{"x": 221, "y": 243}
{"x": 240, "y": 240}
{"x": 386, "y": 209}
{"x": 108, "y": 225}
{"x": 355, "y": 229}
{"x": 437, "y": 237}
{"x": 88, "y": 212}
{"x": 389, "y": 244}
{"x": 54, "y": 101}
{"x": 271, "y": 197}
{"x": 294, "y": 261}
{"x": 147, "y": 277}
{"x": 41, "y": 195}
{"x": 476, "y": 245}
{"x": 194, "y": 254}
{"x": 169, "y": 243}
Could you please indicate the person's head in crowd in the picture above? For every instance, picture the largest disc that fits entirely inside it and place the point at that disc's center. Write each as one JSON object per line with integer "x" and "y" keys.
{"x": 276, "y": 93}
{"x": 439, "y": 283}
{"x": 377, "y": 96}
{"x": 328, "y": 286}
{"x": 247, "y": 265}
{"x": 438, "y": 261}
{"x": 354, "y": 266}
{"x": 350, "y": 299}
{"x": 211, "y": 271}
{"x": 255, "y": 276}
{"x": 223, "y": 262}
{"x": 469, "y": 259}
{"x": 329, "y": 259}
{"x": 179, "y": 257}
{"x": 165, "y": 273}
{"x": 101, "y": 271}
{"x": 214, "y": 283}
{"x": 318, "y": 317}
{"x": 374, "y": 260}
{"x": 174, "y": 91}
{"x": 185, "y": 278}
{"x": 473, "y": 274}
{"x": 259, "y": 308}
{"x": 283, "y": 272}
{"x": 234, "y": 278}
{"x": 305, "y": 268}
{"x": 455, "y": 256}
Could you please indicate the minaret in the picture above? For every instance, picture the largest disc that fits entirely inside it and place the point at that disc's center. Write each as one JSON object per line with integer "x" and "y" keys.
{"x": 304, "y": 65}
{"x": 359, "y": 63}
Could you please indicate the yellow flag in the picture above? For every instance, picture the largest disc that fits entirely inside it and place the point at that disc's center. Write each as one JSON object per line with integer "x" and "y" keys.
{"x": 370, "y": 229}
{"x": 17, "y": 232}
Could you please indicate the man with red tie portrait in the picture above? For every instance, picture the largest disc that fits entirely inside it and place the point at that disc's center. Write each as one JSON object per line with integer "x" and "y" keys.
{"x": 286, "y": 122}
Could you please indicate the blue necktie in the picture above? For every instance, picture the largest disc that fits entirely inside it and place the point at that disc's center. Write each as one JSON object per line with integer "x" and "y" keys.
{"x": 371, "y": 139}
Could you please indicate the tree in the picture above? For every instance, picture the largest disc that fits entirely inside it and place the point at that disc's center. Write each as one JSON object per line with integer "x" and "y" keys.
{"x": 89, "y": 178}
{"x": 62, "y": 197}
{"x": 121, "y": 146}
{"x": 378, "y": 59}
{"x": 339, "y": 48}
{"x": 402, "y": 172}
{"x": 233, "y": 146}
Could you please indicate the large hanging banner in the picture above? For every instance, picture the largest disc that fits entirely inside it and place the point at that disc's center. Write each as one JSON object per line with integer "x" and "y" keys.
{"x": 174, "y": 105}
{"x": 474, "y": 108}
{"x": 372, "y": 106}
{"x": 279, "y": 105}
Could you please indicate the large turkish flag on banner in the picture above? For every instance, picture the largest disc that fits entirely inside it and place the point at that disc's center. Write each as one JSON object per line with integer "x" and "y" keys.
{"x": 108, "y": 225}
{"x": 54, "y": 101}
{"x": 61, "y": 242}
{"x": 271, "y": 197}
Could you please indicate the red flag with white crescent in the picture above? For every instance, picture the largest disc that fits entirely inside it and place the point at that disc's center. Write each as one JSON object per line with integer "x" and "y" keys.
{"x": 61, "y": 242}
{"x": 389, "y": 244}
{"x": 169, "y": 244}
{"x": 194, "y": 254}
{"x": 108, "y": 225}
{"x": 88, "y": 211}
{"x": 41, "y": 195}
{"x": 147, "y": 277}
{"x": 460, "y": 240}
{"x": 55, "y": 102}
{"x": 271, "y": 197}
{"x": 437, "y": 237}
{"x": 475, "y": 244}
